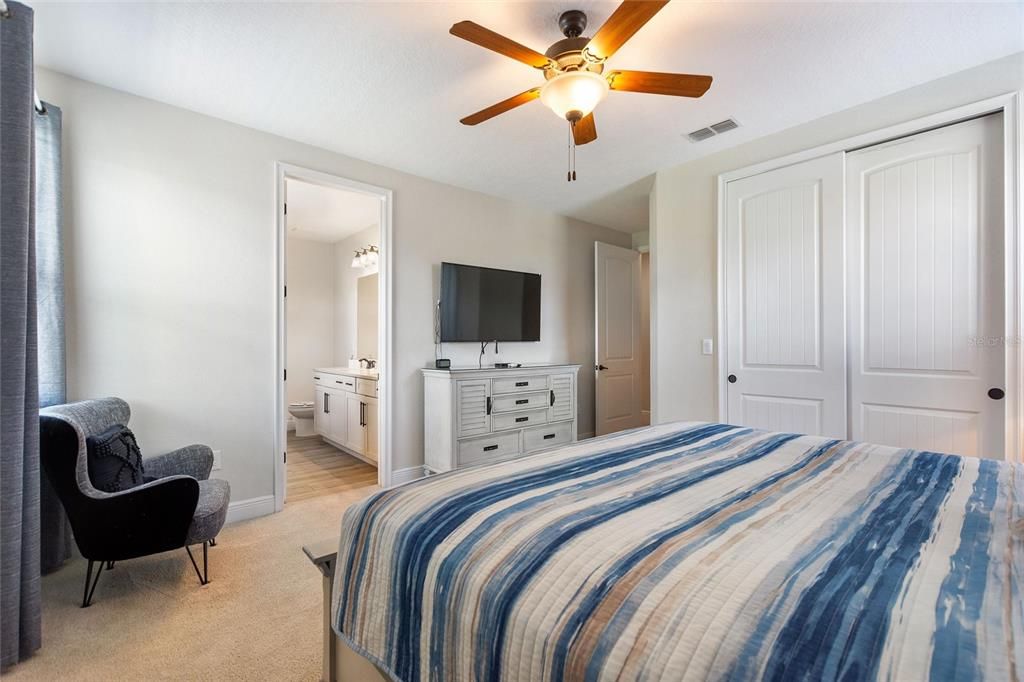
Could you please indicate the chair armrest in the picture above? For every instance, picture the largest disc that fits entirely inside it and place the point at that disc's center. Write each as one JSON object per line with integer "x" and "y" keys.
{"x": 192, "y": 460}
{"x": 144, "y": 520}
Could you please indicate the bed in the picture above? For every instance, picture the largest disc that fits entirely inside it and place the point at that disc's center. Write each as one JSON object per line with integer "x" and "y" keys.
{"x": 689, "y": 551}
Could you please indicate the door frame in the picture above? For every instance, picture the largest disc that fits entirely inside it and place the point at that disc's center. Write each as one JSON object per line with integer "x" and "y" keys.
{"x": 385, "y": 382}
{"x": 1009, "y": 105}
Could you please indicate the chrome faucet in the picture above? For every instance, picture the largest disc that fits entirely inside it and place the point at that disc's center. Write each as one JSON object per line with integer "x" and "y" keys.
{"x": 370, "y": 364}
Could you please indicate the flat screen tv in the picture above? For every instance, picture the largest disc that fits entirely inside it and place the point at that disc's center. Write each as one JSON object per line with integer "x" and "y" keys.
{"x": 485, "y": 304}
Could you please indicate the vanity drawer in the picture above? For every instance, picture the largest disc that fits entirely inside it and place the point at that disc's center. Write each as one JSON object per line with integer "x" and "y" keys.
{"x": 497, "y": 446}
{"x": 519, "y": 384}
{"x": 539, "y": 438}
{"x": 519, "y": 401}
{"x": 516, "y": 420}
{"x": 339, "y": 382}
{"x": 367, "y": 387}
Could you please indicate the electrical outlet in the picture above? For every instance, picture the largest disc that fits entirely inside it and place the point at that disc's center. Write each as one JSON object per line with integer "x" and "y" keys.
{"x": 707, "y": 346}
{"x": 216, "y": 460}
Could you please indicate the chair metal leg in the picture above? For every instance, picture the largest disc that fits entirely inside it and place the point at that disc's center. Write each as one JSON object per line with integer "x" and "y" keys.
{"x": 213, "y": 542}
{"x": 203, "y": 579}
{"x": 110, "y": 565}
{"x": 90, "y": 590}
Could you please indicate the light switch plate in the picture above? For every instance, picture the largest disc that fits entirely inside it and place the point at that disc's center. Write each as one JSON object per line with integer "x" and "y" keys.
{"x": 216, "y": 460}
{"x": 707, "y": 347}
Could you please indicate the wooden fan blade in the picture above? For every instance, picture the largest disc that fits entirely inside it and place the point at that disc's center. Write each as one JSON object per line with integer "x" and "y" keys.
{"x": 486, "y": 38}
{"x": 501, "y": 107}
{"x": 629, "y": 18}
{"x": 677, "y": 84}
{"x": 584, "y": 131}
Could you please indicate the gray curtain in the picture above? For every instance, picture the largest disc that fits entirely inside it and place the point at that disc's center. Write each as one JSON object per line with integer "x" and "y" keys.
{"x": 19, "y": 386}
{"x": 56, "y": 533}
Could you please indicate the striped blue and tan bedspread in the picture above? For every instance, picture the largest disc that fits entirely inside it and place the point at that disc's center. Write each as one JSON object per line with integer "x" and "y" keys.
{"x": 691, "y": 552}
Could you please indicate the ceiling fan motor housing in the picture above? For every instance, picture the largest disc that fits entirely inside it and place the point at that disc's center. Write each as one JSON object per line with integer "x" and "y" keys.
{"x": 568, "y": 52}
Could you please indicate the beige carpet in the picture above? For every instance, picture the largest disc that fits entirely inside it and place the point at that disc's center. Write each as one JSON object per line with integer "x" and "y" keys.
{"x": 258, "y": 618}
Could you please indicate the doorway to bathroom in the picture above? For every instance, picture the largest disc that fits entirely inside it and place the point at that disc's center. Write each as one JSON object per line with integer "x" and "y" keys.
{"x": 333, "y": 331}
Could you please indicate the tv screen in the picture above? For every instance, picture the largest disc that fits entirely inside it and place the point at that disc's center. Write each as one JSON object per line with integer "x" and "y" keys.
{"x": 484, "y": 304}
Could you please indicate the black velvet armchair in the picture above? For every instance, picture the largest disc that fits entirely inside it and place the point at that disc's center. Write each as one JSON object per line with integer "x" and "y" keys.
{"x": 182, "y": 507}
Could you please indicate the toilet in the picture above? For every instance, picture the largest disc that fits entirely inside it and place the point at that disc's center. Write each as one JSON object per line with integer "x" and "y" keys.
{"x": 302, "y": 413}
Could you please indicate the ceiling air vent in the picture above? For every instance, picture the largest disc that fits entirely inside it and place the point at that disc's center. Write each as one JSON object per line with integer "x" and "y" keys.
{"x": 702, "y": 134}
{"x": 713, "y": 129}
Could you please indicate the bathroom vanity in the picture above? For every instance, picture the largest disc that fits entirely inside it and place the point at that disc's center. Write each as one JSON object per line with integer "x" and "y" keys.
{"x": 345, "y": 413}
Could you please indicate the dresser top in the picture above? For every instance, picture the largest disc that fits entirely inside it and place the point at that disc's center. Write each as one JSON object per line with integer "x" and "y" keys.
{"x": 492, "y": 370}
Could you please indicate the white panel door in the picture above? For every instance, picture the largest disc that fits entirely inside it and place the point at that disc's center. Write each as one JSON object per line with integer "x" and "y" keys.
{"x": 926, "y": 290}
{"x": 785, "y": 332}
{"x": 617, "y": 338}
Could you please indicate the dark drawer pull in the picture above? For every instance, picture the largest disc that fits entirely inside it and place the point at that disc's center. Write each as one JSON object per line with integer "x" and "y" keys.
{"x": 549, "y": 436}
{"x": 522, "y": 419}
{"x": 522, "y": 383}
{"x": 317, "y": 378}
{"x": 523, "y": 401}
{"x": 340, "y": 382}
{"x": 488, "y": 448}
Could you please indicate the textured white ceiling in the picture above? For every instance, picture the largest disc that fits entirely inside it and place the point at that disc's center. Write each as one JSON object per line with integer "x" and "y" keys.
{"x": 328, "y": 214}
{"x": 385, "y": 82}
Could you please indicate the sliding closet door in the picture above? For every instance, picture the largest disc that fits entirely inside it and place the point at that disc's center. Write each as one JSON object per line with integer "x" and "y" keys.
{"x": 784, "y": 299}
{"x": 926, "y": 290}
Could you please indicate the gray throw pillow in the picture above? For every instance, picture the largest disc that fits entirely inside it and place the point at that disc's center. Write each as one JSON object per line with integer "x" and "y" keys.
{"x": 115, "y": 461}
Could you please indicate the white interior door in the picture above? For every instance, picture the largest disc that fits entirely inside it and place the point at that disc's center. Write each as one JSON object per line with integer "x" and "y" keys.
{"x": 617, "y": 338}
{"x": 785, "y": 327}
{"x": 925, "y": 226}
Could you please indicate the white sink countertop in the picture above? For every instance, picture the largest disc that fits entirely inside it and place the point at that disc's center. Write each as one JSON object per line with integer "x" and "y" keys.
{"x": 371, "y": 374}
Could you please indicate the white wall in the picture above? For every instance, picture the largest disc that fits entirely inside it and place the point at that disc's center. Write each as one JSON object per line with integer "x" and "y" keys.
{"x": 684, "y": 231}
{"x": 310, "y": 314}
{"x": 345, "y": 333}
{"x": 170, "y": 270}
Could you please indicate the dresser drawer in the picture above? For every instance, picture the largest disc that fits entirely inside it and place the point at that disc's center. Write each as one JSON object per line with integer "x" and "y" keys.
{"x": 519, "y": 401}
{"x": 539, "y": 438}
{"x": 367, "y": 387}
{"x": 517, "y": 420}
{"x": 519, "y": 384}
{"x": 497, "y": 446}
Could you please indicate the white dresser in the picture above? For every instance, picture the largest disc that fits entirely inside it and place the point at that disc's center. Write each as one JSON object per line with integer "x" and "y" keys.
{"x": 473, "y": 416}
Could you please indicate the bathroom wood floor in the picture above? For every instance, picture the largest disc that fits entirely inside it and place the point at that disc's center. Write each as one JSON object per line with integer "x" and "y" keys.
{"x": 316, "y": 468}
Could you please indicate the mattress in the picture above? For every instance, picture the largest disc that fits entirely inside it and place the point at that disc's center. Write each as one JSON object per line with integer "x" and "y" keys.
{"x": 692, "y": 551}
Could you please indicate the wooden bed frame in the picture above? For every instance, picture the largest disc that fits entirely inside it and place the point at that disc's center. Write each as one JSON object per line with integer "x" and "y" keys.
{"x": 341, "y": 663}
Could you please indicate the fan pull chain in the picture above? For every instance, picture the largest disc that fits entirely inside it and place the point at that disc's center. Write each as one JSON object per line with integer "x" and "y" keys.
{"x": 570, "y": 174}
{"x": 568, "y": 156}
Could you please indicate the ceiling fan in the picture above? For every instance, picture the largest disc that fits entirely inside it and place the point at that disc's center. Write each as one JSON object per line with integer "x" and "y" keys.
{"x": 575, "y": 79}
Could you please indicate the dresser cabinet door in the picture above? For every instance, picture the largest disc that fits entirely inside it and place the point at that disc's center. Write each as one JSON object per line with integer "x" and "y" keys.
{"x": 561, "y": 398}
{"x": 472, "y": 398}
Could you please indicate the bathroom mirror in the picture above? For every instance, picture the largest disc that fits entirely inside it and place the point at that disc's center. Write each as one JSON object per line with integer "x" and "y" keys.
{"x": 366, "y": 317}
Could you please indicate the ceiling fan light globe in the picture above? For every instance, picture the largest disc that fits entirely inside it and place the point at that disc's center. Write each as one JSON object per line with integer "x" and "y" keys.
{"x": 574, "y": 93}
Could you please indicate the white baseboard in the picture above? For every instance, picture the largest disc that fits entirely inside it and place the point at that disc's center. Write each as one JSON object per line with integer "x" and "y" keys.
{"x": 400, "y": 476}
{"x": 250, "y": 509}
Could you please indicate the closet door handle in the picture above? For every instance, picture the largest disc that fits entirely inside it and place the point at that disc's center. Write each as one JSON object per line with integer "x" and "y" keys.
{"x": 996, "y": 393}
{"x": 732, "y": 378}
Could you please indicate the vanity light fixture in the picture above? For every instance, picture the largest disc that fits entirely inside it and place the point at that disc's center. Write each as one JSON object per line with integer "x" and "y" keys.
{"x": 364, "y": 258}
